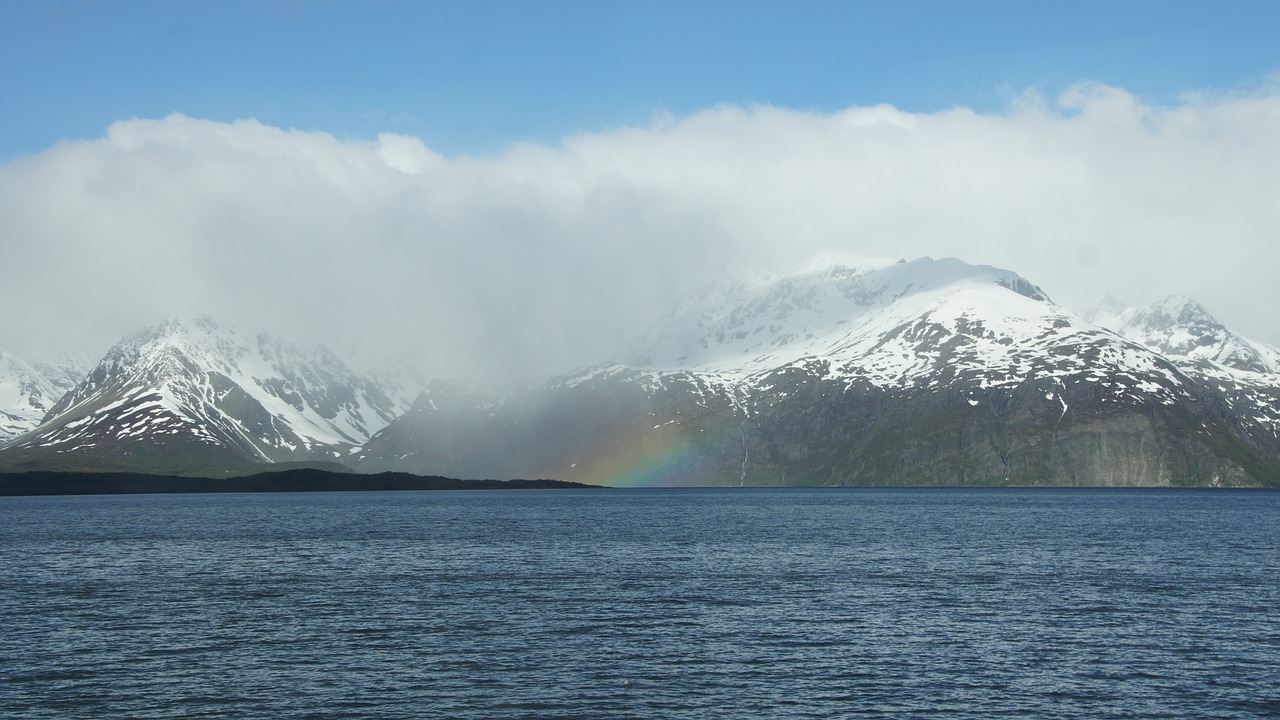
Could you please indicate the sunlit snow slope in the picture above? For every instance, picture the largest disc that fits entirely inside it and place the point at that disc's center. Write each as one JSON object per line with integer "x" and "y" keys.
{"x": 183, "y": 394}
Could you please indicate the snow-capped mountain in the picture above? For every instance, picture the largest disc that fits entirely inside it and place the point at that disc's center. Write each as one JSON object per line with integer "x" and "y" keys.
{"x": 843, "y": 371}
{"x": 28, "y": 390}
{"x": 183, "y": 396}
{"x": 924, "y": 372}
{"x": 1181, "y": 327}
{"x": 821, "y": 309}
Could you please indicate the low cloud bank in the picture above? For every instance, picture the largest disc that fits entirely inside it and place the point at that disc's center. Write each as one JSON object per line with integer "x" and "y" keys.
{"x": 541, "y": 258}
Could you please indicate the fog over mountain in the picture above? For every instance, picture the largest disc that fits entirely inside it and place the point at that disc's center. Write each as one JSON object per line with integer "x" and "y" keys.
{"x": 542, "y": 258}
{"x": 847, "y": 371}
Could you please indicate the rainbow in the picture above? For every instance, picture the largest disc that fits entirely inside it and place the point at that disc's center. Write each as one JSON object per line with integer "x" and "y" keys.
{"x": 658, "y": 457}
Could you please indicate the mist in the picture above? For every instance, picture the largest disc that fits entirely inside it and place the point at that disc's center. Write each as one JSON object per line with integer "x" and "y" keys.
{"x": 542, "y": 258}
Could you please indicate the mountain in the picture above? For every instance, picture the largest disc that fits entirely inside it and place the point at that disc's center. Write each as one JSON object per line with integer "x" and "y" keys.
{"x": 843, "y": 372}
{"x": 856, "y": 373}
{"x": 1182, "y": 328}
{"x": 198, "y": 397}
{"x": 28, "y": 390}
{"x": 821, "y": 309}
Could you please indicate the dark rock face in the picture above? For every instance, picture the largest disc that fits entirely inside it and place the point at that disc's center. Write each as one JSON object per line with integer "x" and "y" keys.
{"x": 805, "y": 430}
{"x": 1016, "y": 436}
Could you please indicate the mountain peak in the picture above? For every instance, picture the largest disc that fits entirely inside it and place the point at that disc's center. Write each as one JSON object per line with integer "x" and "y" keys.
{"x": 30, "y": 389}
{"x": 201, "y": 384}
{"x": 837, "y": 260}
{"x": 1181, "y": 309}
{"x": 747, "y": 327}
{"x": 1179, "y": 326}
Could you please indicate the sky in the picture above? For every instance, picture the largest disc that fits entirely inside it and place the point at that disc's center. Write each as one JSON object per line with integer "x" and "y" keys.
{"x": 504, "y": 187}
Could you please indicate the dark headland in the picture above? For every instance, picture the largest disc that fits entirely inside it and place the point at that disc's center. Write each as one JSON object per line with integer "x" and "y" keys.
{"x": 296, "y": 480}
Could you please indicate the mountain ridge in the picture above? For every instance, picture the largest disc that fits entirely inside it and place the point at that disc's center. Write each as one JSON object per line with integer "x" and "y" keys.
{"x": 932, "y": 372}
{"x": 843, "y": 371}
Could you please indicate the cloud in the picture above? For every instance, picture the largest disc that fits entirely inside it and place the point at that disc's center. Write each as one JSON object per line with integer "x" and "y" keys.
{"x": 543, "y": 257}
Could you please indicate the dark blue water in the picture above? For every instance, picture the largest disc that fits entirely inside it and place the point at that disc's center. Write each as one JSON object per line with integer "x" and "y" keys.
{"x": 717, "y": 603}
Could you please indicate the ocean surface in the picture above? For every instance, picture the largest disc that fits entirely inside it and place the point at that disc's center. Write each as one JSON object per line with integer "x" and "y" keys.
{"x": 815, "y": 603}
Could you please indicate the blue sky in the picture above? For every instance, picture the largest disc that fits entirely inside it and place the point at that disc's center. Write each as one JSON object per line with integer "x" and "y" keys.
{"x": 474, "y": 77}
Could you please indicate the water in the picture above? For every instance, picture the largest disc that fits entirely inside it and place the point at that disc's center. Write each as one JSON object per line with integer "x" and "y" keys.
{"x": 711, "y": 603}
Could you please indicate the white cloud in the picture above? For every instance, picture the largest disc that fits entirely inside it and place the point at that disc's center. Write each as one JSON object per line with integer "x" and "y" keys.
{"x": 550, "y": 255}
{"x": 406, "y": 153}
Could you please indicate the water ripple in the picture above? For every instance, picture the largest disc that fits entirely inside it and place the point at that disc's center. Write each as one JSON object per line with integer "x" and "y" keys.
{"x": 710, "y": 604}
